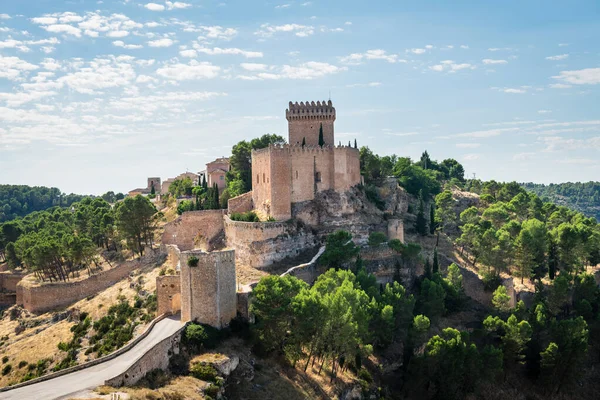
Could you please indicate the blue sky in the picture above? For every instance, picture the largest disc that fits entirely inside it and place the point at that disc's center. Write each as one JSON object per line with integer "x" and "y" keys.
{"x": 98, "y": 95}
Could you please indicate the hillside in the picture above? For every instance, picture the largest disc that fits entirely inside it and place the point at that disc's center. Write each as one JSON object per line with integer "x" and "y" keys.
{"x": 20, "y": 200}
{"x": 579, "y": 196}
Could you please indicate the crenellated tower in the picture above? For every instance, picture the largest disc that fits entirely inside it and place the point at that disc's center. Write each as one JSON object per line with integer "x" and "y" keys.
{"x": 305, "y": 121}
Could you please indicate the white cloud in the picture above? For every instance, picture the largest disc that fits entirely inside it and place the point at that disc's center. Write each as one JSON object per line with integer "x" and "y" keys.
{"x": 192, "y": 71}
{"x": 588, "y": 76}
{"x": 558, "y": 58}
{"x": 416, "y": 51}
{"x": 282, "y": 6}
{"x": 120, "y": 43}
{"x": 254, "y": 66}
{"x": 513, "y": 90}
{"x": 98, "y": 74}
{"x": 188, "y": 53}
{"x": 117, "y": 34}
{"x": 232, "y": 51}
{"x": 559, "y": 86}
{"x": 155, "y": 7}
{"x": 450, "y": 66}
{"x": 471, "y": 157}
{"x": 44, "y": 20}
{"x": 370, "y": 84}
{"x": 177, "y": 5}
{"x": 145, "y": 79}
{"x": 13, "y": 68}
{"x": 63, "y": 28}
{"x": 165, "y": 42}
{"x": 489, "y": 61}
{"x": 464, "y": 46}
{"x": 486, "y": 133}
{"x": 468, "y": 145}
{"x": 308, "y": 70}
{"x": 499, "y": 49}
{"x": 544, "y": 111}
{"x": 523, "y": 156}
{"x": 268, "y": 30}
{"x": 376, "y": 54}
{"x": 4, "y": 16}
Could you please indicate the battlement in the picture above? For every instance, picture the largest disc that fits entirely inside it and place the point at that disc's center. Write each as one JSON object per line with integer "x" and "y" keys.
{"x": 310, "y": 110}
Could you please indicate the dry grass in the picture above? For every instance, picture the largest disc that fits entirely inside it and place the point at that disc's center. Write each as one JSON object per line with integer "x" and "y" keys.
{"x": 181, "y": 387}
{"x": 41, "y": 341}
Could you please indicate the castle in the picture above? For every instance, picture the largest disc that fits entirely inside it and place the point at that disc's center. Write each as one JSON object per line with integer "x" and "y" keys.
{"x": 310, "y": 163}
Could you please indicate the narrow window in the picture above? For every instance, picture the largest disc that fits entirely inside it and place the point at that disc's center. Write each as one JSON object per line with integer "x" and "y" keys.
{"x": 257, "y": 178}
{"x": 296, "y": 174}
{"x": 264, "y": 178}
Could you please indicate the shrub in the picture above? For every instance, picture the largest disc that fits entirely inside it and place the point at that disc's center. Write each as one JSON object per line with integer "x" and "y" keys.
{"x": 249, "y": 216}
{"x": 212, "y": 391}
{"x": 4, "y": 359}
{"x": 373, "y": 197}
{"x": 204, "y": 372}
{"x": 23, "y": 364}
{"x": 365, "y": 375}
{"x": 202, "y": 335}
{"x": 491, "y": 281}
{"x": 193, "y": 261}
{"x": 377, "y": 239}
{"x": 6, "y": 369}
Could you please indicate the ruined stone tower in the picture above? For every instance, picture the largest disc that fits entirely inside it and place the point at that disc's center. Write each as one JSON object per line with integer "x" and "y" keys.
{"x": 305, "y": 121}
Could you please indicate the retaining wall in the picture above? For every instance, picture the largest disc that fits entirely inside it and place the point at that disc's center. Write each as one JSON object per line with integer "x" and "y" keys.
{"x": 195, "y": 230}
{"x": 240, "y": 204}
{"x": 155, "y": 358}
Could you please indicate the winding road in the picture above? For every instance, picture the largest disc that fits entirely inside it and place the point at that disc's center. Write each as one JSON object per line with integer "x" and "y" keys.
{"x": 78, "y": 382}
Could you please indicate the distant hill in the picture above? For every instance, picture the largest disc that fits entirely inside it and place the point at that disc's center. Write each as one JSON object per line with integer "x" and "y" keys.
{"x": 20, "y": 200}
{"x": 583, "y": 197}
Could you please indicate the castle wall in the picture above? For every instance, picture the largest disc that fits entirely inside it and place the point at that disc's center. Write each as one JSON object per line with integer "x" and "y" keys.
{"x": 281, "y": 185}
{"x": 240, "y": 204}
{"x": 261, "y": 179}
{"x": 347, "y": 168}
{"x": 9, "y": 281}
{"x": 195, "y": 229}
{"x": 168, "y": 294}
{"x": 48, "y": 296}
{"x": 396, "y": 229}
{"x": 260, "y": 244}
{"x": 208, "y": 291}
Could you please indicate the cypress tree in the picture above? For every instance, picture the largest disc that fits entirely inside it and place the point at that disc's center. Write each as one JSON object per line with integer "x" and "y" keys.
{"x": 321, "y": 140}
{"x": 349, "y": 145}
{"x": 216, "y": 196}
{"x": 436, "y": 263}
{"x": 152, "y": 190}
{"x": 421, "y": 222}
{"x": 427, "y": 269}
{"x": 355, "y": 145}
{"x": 552, "y": 259}
{"x": 204, "y": 184}
{"x": 303, "y": 141}
{"x": 432, "y": 224}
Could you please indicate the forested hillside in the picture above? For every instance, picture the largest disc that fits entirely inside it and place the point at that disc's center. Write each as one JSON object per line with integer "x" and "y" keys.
{"x": 582, "y": 197}
{"x": 20, "y": 200}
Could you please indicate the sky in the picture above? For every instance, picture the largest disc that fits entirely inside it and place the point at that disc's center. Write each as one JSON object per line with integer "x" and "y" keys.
{"x": 99, "y": 95}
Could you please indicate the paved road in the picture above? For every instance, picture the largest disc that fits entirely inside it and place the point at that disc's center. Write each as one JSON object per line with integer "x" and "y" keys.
{"x": 67, "y": 386}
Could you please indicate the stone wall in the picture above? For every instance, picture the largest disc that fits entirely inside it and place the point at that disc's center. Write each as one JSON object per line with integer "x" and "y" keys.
{"x": 346, "y": 168}
{"x": 48, "y": 296}
{"x": 260, "y": 244}
{"x": 173, "y": 254}
{"x": 168, "y": 294}
{"x": 240, "y": 204}
{"x": 208, "y": 290}
{"x": 305, "y": 121}
{"x": 196, "y": 230}
{"x": 9, "y": 281}
{"x": 395, "y": 229}
{"x": 155, "y": 358}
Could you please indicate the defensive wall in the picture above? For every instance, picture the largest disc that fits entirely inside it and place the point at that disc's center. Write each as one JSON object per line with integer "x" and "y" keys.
{"x": 173, "y": 254}
{"x": 286, "y": 174}
{"x": 395, "y": 229}
{"x": 155, "y": 358}
{"x": 260, "y": 244}
{"x": 208, "y": 290}
{"x": 38, "y": 298}
{"x": 9, "y": 281}
{"x": 240, "y": 204}
{"x": 195, "y": 230}
{"x": 168, "y": 294}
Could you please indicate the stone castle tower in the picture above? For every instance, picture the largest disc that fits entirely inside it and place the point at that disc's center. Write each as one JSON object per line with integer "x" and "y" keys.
{"x": 306, "y": 119}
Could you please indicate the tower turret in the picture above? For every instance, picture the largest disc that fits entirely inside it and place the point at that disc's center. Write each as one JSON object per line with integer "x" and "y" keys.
{"x": 306, "y": 119}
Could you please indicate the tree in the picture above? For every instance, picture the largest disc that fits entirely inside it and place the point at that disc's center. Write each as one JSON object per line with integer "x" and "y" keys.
{"x": 435, "y": 266}
{"x": 444, "y": 210}
{"x": 501, "y": 299}
{"x": 531, "y": 245}
{"x": 152, "y": 190}
{"x": 377, "y": 239}
{"x": 321, "y": 140}
{"x": 431, "y": 300}
{"x": 432, "y": 224}
{"x": 136, "y": 222}
{"x": 421, "y": 222}
{"x": 303, "y": 141}
{"x": 454, "y": 278}
{"x": 272, "y": 307}
{"x": 425, "y": 161}
{"x": 355, "y": 144}
{"x": 339, "y": 249}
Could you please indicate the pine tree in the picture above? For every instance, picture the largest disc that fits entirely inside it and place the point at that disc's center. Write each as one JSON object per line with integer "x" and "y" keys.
{"x": 421, "y": 223}
{"x": 321, "y": 140}
{"x": 303, "y": 141}
{"x": 355, "y": 145}
{"x": 552, "y": 258}
{"x": 432, "y": 224}
{"x": 436, "y": 264}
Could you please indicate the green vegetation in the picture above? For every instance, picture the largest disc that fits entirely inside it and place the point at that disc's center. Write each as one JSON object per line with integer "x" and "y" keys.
{"x": 582, "y": 197}
{"x": 19, "y": 200}
{"x": 249, "y": 216}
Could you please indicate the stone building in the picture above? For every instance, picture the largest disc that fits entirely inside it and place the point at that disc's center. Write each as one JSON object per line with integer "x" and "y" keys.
{"x": 153, "y": 182}
{"x": 294, "y": 173}
{"x": 216, "y": 171}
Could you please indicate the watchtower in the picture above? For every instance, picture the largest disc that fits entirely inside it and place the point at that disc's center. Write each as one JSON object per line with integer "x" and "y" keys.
{"x": 306, "y": 119}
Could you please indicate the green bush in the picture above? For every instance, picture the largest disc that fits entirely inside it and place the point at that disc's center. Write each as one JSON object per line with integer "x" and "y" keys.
{"x": 373, "y": 197}
{"x": 377, "y": 239}
{"x": 491, "y": 281}
{"x": 22, "y": 364}
{"x": 4, "y": 359}
{"x": 204, "y": 372}
{"x": 193, "y": 261}
{"x": 202, "y": 335}
{"x": 249, "y": 216}
{"x": 365, "y": 375}
{"x": 6, "y": 369}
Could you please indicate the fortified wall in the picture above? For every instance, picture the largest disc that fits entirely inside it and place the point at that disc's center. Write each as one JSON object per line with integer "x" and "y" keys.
{"x": 240, "y": 204}
{"x": 260, "y": 244}
{"x": 305, "y": 120}
{"x": 38, "y": 298}
{"x": 208, "y": 290}
{"x": 195, "y": 230}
